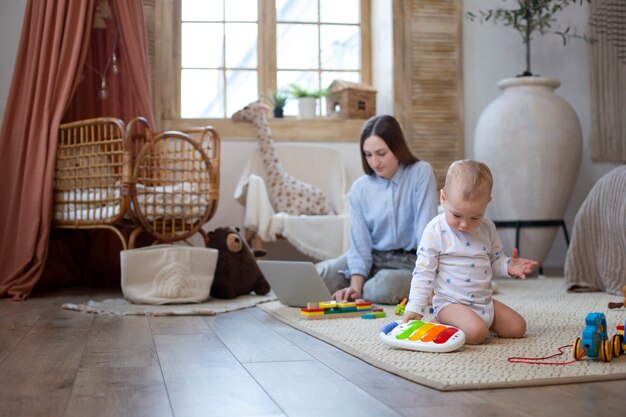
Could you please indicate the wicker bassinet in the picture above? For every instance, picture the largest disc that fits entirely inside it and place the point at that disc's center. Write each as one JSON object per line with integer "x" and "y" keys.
{"x": 113, "y": 176}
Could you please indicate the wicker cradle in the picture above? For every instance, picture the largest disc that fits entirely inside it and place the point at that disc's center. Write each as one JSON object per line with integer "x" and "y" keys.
{"x": 111, "y": 175}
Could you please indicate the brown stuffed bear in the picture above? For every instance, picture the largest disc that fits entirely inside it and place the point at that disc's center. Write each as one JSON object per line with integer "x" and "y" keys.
{"x": 237, "y": 272}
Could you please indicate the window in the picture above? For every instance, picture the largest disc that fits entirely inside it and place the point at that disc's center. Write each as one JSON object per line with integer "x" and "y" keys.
{"x": 227, "y": 53}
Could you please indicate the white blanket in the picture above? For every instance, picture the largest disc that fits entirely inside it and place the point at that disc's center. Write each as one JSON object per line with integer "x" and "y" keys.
{"x": 321, "y": 237}
{"x": 103, "y": 204}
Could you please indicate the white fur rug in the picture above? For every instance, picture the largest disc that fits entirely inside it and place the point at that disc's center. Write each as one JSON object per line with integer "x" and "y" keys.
{"x": 555, "y": 318}
{"x": 120, "y": 306}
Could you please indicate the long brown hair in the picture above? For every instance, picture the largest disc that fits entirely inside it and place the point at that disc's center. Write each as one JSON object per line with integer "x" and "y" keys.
{"x": 388, "y": 129}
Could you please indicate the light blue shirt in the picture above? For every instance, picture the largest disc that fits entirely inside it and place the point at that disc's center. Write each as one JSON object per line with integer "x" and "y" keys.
{"x": 389, "y": 214}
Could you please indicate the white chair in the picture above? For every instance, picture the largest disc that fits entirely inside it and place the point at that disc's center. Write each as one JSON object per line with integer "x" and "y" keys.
{"x": 320, "y": 237}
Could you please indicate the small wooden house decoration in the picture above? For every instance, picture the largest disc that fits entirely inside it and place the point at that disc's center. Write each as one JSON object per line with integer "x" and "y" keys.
{"x": 348, "y": 100}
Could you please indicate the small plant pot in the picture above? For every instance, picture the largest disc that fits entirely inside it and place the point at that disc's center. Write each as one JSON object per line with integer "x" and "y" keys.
{"x": 306, "y": 107}
{"x": 278, "y": 112}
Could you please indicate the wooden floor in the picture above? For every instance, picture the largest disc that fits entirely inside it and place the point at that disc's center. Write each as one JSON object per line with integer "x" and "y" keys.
{"x": 55, "y": 362}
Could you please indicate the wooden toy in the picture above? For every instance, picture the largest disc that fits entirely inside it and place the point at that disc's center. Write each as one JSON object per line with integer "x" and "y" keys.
{"x": 335, "y": 309}
{"x": 422, "y": 336}
{"x": 617, "y": 341}
{"x": 401, "y": 306}
{"x": 374, "y": 315}
{"x": 595, "y": 342}
{"x": 620, "y": 304}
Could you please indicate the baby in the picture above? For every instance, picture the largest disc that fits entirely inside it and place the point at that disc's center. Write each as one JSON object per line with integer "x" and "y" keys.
{"x": 458, "y": 255}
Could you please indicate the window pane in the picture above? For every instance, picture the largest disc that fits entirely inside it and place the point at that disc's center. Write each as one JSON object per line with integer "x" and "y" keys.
{"x": 202, "y": 10}
{"x": 340, "y": 47}
{"x": 306, "y": 80}
{"x": 241, "y": 45}
{"x": 241, "y": 10}
{"x": 297, "y": 10}
{"x": 296, "y": 46}
{"x": 241, "y": 89}
{"x": 202, "y": 45}
{"x": 339, "y": 11}
{"x": 202, "y": 93}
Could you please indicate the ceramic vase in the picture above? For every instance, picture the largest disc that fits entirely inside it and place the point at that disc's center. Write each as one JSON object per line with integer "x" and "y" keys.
{"x": 531, "y": 139}
{"x": 278, "y": 112}
{"x": 306, "y": 107}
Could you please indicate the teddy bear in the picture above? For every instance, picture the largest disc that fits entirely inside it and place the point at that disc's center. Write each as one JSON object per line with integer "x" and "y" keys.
{"x": 237, "y": 272}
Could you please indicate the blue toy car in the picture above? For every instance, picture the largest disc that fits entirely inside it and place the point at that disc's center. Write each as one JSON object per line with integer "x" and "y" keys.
{"x": 595, "y": 342}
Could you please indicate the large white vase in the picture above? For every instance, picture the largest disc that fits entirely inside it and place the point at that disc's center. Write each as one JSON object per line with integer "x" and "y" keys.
{"x": 531, "y": 140}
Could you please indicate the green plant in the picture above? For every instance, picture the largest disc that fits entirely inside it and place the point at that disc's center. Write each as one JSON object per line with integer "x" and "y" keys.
{"x": 529, "y": 17}
{"x": 297, "y": 91}
{"x": 279, "y": 98}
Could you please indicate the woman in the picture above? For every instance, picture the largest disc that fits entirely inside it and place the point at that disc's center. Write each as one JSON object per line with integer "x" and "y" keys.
{"x": 389, "y": 208}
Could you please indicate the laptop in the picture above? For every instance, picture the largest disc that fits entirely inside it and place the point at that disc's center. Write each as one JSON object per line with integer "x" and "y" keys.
{"x": 295, "y": 283}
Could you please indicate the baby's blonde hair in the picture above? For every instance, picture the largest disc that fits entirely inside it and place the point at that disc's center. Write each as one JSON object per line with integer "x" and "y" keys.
{"x": 471, "y": 178}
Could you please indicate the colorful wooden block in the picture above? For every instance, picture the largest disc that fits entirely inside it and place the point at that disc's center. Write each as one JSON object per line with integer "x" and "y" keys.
{"x": 334, "y": 309}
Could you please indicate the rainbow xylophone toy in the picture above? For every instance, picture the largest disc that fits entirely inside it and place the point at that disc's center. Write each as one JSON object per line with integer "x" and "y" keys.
{"x": 422, "y": 336}
{"x": 335, "y": 309}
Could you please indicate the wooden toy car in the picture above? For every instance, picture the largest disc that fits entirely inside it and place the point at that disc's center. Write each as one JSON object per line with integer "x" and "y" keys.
{"x": 619, "y": 345}
{"x": 595, "y": 342}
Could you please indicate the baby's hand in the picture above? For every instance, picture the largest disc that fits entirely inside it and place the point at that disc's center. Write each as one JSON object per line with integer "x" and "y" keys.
{"x": 410, "y": 315}
{"x": 519, "y": 267}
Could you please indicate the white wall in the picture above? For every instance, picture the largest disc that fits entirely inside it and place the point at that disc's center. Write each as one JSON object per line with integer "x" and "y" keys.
{"x": 492, "y": 53}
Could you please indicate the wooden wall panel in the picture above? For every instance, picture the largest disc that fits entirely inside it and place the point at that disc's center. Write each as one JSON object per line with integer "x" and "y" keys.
{"x": 429, "y": 83}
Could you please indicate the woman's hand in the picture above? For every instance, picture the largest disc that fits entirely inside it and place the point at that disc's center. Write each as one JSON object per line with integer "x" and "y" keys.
{"x": 347, "y": 294}
{"x": 519, "y": 267}
{"x": 353, "y": 292}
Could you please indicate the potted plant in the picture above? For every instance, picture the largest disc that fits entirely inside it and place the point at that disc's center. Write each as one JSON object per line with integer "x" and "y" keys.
{"x": 536, "y": 125}
{"x": 307, "y": 100}
{"x": 529, "y": 17}
{"x": 278, "y": 98}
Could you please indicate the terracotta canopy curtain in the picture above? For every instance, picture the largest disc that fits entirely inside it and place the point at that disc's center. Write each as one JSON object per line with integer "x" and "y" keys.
{"x": 54, "y": 44}
{"x": 122, "y": 31}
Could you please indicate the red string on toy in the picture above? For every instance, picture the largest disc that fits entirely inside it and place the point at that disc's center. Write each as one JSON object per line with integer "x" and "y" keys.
{"x": 539, "y": 361}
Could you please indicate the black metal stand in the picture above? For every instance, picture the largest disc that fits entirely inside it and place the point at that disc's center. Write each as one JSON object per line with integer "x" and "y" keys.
{"x": 518, "y": 224}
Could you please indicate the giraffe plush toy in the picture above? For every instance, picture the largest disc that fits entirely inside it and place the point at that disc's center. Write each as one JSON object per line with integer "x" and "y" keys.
{"x": 287, "y": 194}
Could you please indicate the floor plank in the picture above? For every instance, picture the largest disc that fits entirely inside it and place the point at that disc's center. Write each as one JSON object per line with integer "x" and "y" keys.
{"x": 250, "y": 340}
{"x": 117, "y": 341}
{"x": 218, "y": 389}
{"x": 178, "y": 325}
{"x": 557, "y": 400}
{"x": 191, "y": 350}
{"x": 114, "y": 391}
{"x": 35, "y": 393}
{"x": 310, "y": 388}
{"x": 54, "y": 342}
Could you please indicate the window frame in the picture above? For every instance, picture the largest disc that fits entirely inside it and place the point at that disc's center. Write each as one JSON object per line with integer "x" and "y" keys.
{"x": 166, "y": 86}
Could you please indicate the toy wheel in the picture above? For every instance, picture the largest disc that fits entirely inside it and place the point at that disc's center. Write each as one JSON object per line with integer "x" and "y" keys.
{"x": 606, "y": 351}
{"x": 616, "y": 343}
{"x": 577, "y": 349}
